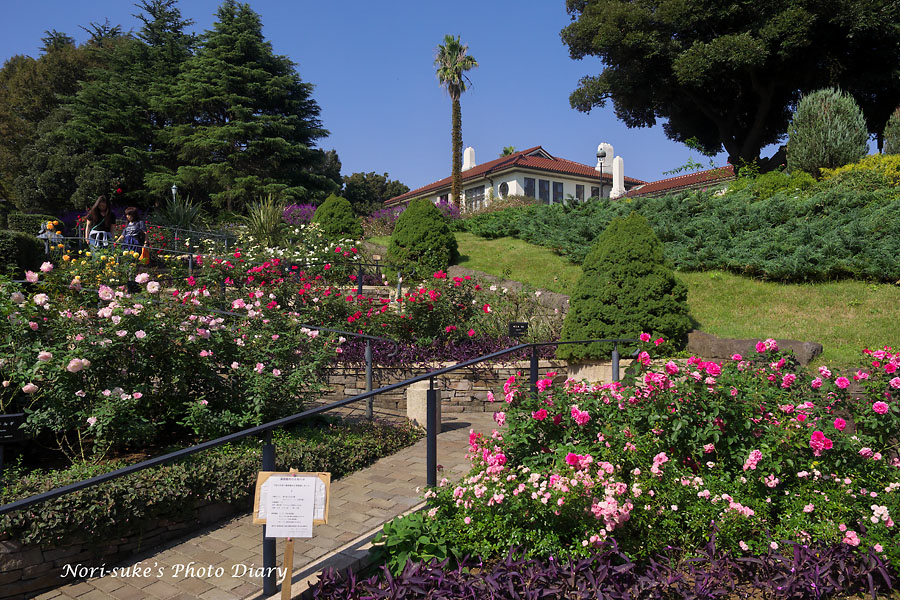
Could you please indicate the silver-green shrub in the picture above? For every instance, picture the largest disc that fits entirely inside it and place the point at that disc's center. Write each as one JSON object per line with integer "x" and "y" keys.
{"x": 892, "y": 133}
{"x": 828, "y": 131}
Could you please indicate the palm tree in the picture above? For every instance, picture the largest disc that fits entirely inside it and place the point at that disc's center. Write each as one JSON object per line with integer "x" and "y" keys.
{"x": 508, "y": 151}
{"x": 452, "y": 62}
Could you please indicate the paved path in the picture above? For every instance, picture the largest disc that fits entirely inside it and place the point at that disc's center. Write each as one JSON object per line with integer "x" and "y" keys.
{"x": 360, "y": 504}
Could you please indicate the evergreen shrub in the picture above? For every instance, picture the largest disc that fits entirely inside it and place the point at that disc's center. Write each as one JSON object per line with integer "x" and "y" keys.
{"x": 422, "y": 238}
{"x": 828, "y": 130}
{"x": 887, "y": 166}
{"x": 625, "y": 289}
{"x": 892, "y": 133}
{"x": 19, "y": 252}
{"x": 26, "y": 223}
{"x": 337, "y": 220}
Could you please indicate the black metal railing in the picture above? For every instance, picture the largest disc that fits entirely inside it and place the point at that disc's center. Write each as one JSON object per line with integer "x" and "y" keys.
{"x": 268, "y": 451}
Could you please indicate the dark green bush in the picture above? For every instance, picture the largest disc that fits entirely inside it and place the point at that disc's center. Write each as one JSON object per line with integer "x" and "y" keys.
{"x": 30, "y": 224}
{"x": 625, "y": 289}
{"x": 225, "y": 474}
{"x": 422, "y": 238}
{"x": 336, "y": 218}
{"x": 892, "y": 133}
{"x": 828, "y": 130}
{"x": 19, "y": 252}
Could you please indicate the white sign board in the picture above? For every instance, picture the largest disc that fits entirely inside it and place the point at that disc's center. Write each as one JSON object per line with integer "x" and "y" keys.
{"x": 289, "y": 506}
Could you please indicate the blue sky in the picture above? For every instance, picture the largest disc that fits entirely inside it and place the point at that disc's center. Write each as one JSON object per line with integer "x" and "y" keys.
{"x": 372, "y": 67}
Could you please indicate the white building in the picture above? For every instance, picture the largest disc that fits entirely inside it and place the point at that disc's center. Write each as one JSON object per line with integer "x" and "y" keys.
{"x": 534, "y": 173}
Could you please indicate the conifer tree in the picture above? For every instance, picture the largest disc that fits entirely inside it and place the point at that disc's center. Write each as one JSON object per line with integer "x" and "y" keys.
{"x": 246, "y": 124}
{"x": 625, "y": 289}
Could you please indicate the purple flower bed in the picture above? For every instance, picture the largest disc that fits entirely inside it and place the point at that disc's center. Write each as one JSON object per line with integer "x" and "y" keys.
{"x": 802, "y": 573}
{"x": 298, "y": 214}
{"x": 412, "y": 353}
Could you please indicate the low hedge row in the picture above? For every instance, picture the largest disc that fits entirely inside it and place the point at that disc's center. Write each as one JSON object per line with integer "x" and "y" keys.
{"x": 19, "y": 252}
{"x": 226, "y": 474}
{"x": 778, "y": 227}
{"x": 27, "y": 223}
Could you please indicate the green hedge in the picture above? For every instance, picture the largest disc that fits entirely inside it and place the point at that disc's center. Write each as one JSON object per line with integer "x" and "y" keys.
{"x": 30, "y": 224}
{"x": 225, "y": 474}
{"x": 778, "y": 227}
{"x": 19, "y": 252}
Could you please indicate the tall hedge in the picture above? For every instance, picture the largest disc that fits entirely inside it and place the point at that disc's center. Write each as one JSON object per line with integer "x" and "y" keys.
{"x": 19, "y": 252}
{"x": 336, "y": 218}
{"x": 625, "y": 289}
{"x": 422, "y": 238}
{"x": 828, "y": 130}
{"x": 892, "y": 133}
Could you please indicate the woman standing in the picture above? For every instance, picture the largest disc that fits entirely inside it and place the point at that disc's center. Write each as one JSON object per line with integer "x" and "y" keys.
{"x": 99, "y": 223}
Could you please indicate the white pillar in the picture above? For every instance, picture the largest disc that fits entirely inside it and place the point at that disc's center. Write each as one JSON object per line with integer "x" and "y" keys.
{"x": 618, "y": 178}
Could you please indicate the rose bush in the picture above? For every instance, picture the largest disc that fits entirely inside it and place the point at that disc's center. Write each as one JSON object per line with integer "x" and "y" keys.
{"x": 752, "y": 448}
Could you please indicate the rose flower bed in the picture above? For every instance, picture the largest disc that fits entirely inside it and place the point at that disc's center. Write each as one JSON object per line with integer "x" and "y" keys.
{"x": 765, "y": 475}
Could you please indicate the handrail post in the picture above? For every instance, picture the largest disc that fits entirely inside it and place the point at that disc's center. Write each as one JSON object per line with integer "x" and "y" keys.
{"x": 269, "y": 548}
{"x": 399, "y": 285}
{"x": 533, "y": 371}
{"x": 369, "y": 401}
{"x": 431, "y": 435}
{"x": 191, "y": 264}
{"x": 359, "y": 280}
{"x": 615, "y": 361}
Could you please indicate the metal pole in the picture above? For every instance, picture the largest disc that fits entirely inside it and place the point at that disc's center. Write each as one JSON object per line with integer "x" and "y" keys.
{"x": 534, "y": 369}
{"x": 359, "y": 280}
{"x": 269, "y": 580}
{"x": 399, "y": 285}
{"x": 431, "y": 434}
{"x": 2, "y": 478}
{"x": 369, "y": 401}
{"x": 190, "y": 264}
{"x": 615, "y": 361}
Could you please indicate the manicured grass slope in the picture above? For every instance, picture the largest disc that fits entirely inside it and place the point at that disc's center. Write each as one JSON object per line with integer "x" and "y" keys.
{"x": 843, "y": 316}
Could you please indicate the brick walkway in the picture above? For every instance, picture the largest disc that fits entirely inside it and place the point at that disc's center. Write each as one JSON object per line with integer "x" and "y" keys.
{"x": 360, "y": 504}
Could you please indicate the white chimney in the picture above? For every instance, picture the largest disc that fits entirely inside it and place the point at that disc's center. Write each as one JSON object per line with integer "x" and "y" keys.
{"x": 604, "y": 157}
{"x": 618, "y": 178}
{"x": 468, "y": 158}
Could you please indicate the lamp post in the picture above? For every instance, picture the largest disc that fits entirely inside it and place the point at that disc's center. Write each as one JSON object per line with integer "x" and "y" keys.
{"x": 174, "y": 191}
{"x": 601, "y": 154}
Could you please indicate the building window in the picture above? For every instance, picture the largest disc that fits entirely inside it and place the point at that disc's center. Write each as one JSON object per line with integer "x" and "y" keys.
{"x": 544, "y": 190}
{"x": 579, "y": 192}
{"x": 475, "y": 197}
{"x": 595, "y": 191}
{"x": 445, "y": 198}
{"x": 557, "y": 191}
{"x": 504, "y": 190}
{"x": 529, "y": 187}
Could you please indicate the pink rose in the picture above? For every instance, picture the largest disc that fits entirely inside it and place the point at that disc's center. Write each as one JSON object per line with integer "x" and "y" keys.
{"x": 44, "y": 356}
{"x": 46, "y": 267}
{"x": 840, "y": 424}
{"x": 842, "y": 382}
{"x": 31, "y": 277}
{"x": 539, "y": 415}
{"x": 91, "y": 421}
{"x": 29, "y": 388}
{"x": 153, "y": 287}
{"x": 645, "y": 337}
{"x": 880, "y": 407}
{"x": 142, "y": 278}
{"x": 74, "y": 365}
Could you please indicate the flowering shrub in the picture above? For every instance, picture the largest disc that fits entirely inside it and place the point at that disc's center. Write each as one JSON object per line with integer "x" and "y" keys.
{"x": 766, "y": 454}
{"x": 97, "y": 370}
{"x": 299, "y": 214}
{"x": 382, "y": 221}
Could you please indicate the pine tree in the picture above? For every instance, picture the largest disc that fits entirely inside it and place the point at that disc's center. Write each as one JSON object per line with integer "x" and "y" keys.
{"x": 246, "y": 124}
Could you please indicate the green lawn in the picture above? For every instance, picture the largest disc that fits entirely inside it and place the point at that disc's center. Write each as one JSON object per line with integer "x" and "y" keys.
{"x": 843, "y": 316}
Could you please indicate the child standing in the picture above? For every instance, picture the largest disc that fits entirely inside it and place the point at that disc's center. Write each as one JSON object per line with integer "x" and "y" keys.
{"x": 134, "y": 235}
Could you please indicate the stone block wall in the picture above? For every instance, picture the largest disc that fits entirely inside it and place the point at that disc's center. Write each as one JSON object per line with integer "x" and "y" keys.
{"x": 463, "y": 391}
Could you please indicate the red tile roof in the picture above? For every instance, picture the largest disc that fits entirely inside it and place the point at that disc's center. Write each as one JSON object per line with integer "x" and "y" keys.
{"x": 689, "y": 180}
{"x": 535, "y": 158}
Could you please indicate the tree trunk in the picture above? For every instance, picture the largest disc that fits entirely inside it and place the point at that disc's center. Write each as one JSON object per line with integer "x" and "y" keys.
{"x": 456, "y": 181}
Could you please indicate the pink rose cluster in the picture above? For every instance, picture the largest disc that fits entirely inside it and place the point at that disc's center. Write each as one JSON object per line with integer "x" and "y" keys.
{"x": 752, "y": 460}
{"x": 581, "y": 417}
{"x": 818, "y": 442}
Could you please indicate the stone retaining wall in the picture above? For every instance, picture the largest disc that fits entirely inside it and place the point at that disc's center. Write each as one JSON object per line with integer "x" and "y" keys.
{"x": 464, "y": 390}
{"x": 28, "y": 569}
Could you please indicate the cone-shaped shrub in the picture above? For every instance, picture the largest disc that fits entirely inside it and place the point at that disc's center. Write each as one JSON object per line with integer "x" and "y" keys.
{"x": 828, "y": 130}
{"x": 625, "y": 289}
{"x": 336, "y": 218}
{"x": 421, "y": 238}
{"x": 892, "y": 133}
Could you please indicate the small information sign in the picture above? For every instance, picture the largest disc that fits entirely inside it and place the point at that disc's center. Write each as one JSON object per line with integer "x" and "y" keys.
{"x": 266, "y": 481}
{"x": 10, "y": 428}
{"x": 517, "y": 329}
